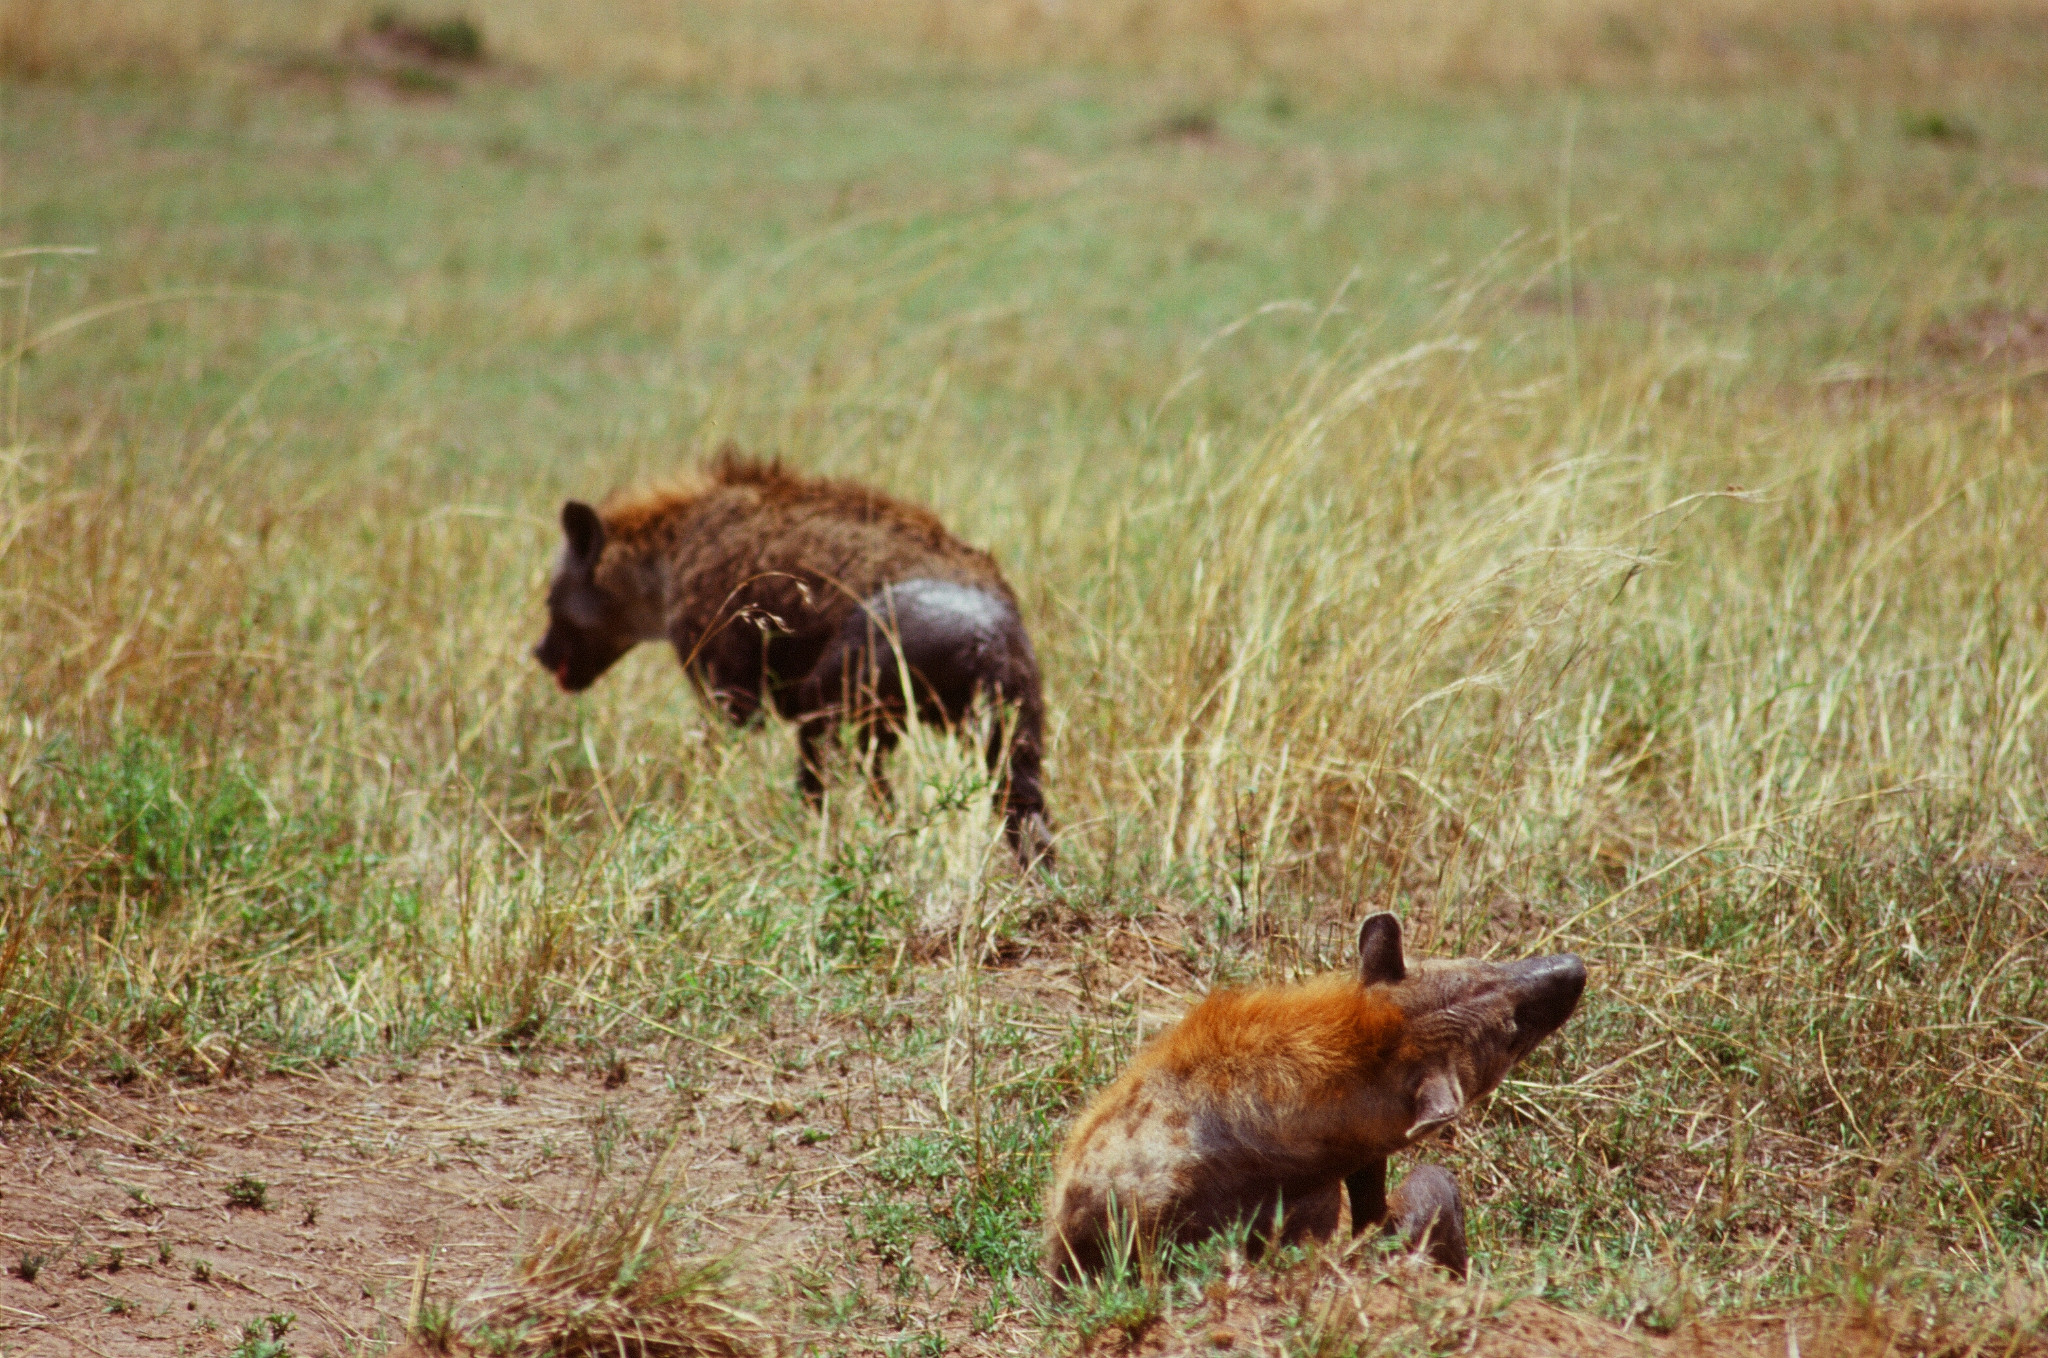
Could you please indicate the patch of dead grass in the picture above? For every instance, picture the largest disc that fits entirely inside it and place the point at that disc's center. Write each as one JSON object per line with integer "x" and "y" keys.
{"x": 1313, "y": 46}
{"x": 616, "y": 1280}
{"x": 1992, "y": 336}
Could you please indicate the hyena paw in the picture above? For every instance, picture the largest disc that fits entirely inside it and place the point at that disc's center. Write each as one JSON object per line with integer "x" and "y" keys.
{"x": 1031, "y": 840}
{"x": 1430, "y": 1214}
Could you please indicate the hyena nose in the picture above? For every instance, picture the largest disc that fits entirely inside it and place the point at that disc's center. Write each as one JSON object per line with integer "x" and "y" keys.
{"x": 1547, "y": 990}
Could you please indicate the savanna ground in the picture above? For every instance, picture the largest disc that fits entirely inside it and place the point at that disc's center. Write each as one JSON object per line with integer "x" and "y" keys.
{"x": 1574, "y": 476}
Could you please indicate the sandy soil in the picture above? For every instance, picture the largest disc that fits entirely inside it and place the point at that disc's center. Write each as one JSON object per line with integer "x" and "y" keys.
{"x": 385, "y": 1188}
{"x": 368, "y": 1182}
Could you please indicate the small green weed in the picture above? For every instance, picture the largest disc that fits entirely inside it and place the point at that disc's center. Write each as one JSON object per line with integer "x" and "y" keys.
{"x": 1127, "y": 1302}
{"x": 865, "y": 906}
{"x": 890, "y": 1227}
{"x": 265, "y": 1337}
{"x": 455, "y": 39}
{"x": 1941, "y": 127}
{"x": 435, "y": 1325}
{"x": 249, "y": 1193}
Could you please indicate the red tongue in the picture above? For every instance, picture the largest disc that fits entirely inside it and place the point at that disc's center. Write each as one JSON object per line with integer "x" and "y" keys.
{"x": 562, "y": 676}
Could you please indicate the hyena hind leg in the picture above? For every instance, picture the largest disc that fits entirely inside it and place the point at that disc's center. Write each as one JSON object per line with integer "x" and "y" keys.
{"x": 1313, "y": 1216}
{"x": 877, "y": 742}
{"x": 810, "y": 759}
{"x": 1014, "y": 760}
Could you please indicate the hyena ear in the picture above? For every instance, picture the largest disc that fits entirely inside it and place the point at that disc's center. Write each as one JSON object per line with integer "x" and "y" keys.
{"x": 1438, "y": 1102}
{"x": 584, "y": 530}
{"x": 1379, "y": 949}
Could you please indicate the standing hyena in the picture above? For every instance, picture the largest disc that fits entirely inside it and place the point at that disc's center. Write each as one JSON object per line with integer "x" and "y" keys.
{"x": 818, "y": 596}
{"x": 1260, "y": 1104}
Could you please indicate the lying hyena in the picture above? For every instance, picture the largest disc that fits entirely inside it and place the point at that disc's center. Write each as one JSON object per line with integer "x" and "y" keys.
{"x": 817, "y": 596}
{"x": 1259, "y": 1105}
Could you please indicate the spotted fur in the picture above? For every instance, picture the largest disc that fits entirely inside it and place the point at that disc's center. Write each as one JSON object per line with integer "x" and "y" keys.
{"x": 814, "y": 597}
{"x": 1261, "y": 1107}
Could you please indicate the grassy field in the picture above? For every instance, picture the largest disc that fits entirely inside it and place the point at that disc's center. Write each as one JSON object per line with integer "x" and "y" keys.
{"x": 1585, "y": 506}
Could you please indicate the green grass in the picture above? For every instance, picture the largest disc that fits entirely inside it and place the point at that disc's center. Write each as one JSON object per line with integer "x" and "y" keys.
{"x": 1555, "y": 516}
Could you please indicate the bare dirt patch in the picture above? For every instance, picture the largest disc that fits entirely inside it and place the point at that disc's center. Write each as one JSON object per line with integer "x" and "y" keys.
{"x": 167, "y": 1221}
{"x": 400, "y": 56}
{"x": 1992, "y": 335}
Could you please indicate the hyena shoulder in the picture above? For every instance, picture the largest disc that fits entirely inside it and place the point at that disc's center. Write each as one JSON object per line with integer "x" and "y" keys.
{"x": 1282, "y": 1043}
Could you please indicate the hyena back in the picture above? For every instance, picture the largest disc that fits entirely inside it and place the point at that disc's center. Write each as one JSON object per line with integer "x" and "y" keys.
{"x": 1263, "y": 1107}
{"x": 817, "y": 598}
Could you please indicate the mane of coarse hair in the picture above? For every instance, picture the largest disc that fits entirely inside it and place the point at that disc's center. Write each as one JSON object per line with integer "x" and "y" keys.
{"x": 630, "y": 515}
{"x": 777, "y": 484}
{"x": 1302, "y": 1034}
{"x": 731, "y": 467}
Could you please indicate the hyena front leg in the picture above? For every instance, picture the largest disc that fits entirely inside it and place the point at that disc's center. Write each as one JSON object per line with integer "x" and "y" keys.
{"x": 1427, "y": 1210}
{"x": 1431, "y": 1216}
{"x": 810, "y": 759}
{"x": 1312, "y": 1216}
{"x": 1367, "y": 1190}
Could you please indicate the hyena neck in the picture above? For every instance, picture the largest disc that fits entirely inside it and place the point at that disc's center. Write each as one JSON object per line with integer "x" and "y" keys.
{"x": 1348, "y": 1042}
{"x": 653, "y": 542}
{"x": 1322, "y": 1045}
{"x": 632, "y": 574}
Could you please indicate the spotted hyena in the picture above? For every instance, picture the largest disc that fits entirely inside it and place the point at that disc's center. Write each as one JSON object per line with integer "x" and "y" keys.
{"x": 1260, "y": 1106}
{"x": 817, "y": 598}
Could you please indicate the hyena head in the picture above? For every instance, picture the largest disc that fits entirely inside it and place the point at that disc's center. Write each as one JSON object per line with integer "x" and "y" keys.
{"x": 592, "y": 621}
{"x": 1465, "y": 1023}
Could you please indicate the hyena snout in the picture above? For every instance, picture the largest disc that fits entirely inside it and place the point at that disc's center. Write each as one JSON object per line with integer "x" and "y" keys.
{"x": 1546, "y": 991}
{"x": 575, "y": 660}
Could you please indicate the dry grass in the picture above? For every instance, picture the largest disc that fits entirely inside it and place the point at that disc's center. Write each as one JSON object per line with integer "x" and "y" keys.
{"x": 1630, "y": 561}
{"x": 612, "y": 1281}
{"x": 1313, "y": 47}
{"x": 1362, "y": 1301}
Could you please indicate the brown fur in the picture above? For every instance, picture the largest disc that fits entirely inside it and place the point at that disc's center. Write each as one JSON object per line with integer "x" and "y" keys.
{"x": 1263, "y": 1104}
{"x": 803, "y": 593}
{"x": 760, "y": 542}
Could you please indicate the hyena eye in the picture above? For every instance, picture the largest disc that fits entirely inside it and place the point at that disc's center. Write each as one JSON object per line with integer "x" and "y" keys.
{"x": 585, "y": 610}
